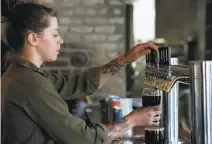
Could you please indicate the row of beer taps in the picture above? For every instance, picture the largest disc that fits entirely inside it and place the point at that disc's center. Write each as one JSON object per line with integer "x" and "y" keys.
{"x": 160, "y": 73}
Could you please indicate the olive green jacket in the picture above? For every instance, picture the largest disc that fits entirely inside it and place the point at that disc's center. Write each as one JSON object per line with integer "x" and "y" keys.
{"x": 34, "y": 110}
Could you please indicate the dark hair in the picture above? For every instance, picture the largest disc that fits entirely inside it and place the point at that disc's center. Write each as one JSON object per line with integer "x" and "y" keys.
{"x": 23, "y": 18}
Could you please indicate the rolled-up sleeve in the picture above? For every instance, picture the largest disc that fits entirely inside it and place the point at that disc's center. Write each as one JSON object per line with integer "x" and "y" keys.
{"x": 50, "y": 112}
{"x": 76, "y": 86}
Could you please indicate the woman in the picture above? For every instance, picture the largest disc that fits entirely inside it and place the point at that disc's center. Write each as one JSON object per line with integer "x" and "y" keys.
{"x": 33, "y": 106}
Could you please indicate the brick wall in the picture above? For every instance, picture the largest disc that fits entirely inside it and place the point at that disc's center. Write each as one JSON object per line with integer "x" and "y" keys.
{"x": 95, "y": 28}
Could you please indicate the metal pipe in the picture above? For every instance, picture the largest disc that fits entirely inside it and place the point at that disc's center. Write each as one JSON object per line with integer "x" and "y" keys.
{"x": 201, "y": 98}
{"x": 173, "y": 123}
{"x": 170, "y": 111}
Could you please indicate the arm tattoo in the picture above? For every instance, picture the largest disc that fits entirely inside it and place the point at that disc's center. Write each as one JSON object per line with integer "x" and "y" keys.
{"x": 113, "y": 66}
{"x": 117, "y": 129}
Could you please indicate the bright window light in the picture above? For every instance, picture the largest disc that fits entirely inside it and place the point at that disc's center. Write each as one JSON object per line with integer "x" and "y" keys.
{"x": 144, "y": 20}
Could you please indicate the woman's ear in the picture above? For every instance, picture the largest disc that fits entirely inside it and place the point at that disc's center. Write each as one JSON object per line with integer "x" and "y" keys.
{"x": 32, "y": 39}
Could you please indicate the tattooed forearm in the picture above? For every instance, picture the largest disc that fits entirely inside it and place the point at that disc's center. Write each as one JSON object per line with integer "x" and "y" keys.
{"x": 113, "y": 66}
{"x": 117, "y": 129}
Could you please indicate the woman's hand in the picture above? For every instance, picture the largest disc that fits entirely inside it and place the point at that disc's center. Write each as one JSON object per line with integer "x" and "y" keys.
{"x": 138, "y": 51}
{"x": 147, "y": 116}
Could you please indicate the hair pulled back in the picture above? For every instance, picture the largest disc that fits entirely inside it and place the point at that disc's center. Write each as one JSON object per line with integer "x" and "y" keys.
{"x": 22, "y": 18}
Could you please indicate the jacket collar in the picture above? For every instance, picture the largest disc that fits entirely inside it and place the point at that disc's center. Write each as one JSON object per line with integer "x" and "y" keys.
{"x": 27, "y": 64}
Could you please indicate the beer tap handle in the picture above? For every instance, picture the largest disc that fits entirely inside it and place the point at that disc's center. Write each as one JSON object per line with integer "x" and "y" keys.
{"x": 155, "y": 58}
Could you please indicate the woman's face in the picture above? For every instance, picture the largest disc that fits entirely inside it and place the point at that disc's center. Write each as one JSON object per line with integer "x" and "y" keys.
{"x": 50, "y": 41}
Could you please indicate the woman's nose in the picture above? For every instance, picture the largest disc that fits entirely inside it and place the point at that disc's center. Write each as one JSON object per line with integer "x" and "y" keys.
{"x": 60, "y": 41}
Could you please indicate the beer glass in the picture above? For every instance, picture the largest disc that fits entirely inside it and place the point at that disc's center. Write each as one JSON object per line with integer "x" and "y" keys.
{"x": 151, "y": 97}
{"x": 154, "y": 135}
